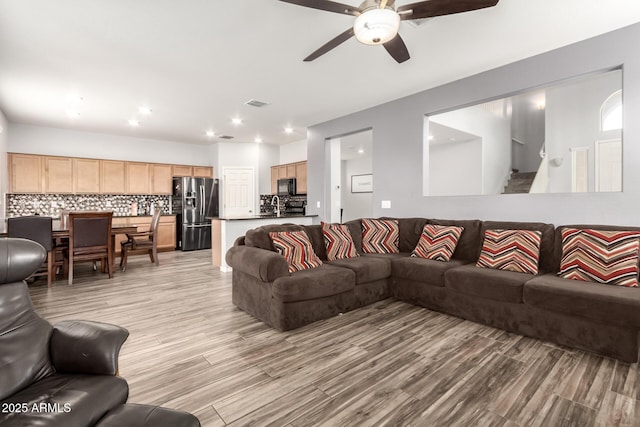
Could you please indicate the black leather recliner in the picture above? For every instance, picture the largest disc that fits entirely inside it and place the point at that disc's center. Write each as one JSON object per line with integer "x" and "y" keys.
{"x": 62, "y": 375}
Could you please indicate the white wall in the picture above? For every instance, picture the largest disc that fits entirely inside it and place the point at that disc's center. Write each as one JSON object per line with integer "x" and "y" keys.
{"x": 64, "y": 142}
{"x": 573, "y": 120}
{"x": 495, "y": 132}
{"x": 355, "y": 205}
{"x": 455, "y": 169}
{"x": 527, "y": 125}
{"x": 398, "y": 138}
{"x": 4, "y": 170}
{"x": 293, "y": 152}
{"x": 268, "y": 155}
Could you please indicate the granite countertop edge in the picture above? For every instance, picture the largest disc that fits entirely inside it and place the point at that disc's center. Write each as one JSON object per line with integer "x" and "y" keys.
{"x": 259, "y": 217}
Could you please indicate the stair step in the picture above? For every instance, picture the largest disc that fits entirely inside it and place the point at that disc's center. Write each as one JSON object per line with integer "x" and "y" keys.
{"x": 524, "y": 175}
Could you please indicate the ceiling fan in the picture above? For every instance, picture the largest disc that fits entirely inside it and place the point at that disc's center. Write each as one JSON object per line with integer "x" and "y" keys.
{"x": 377, "y": 21}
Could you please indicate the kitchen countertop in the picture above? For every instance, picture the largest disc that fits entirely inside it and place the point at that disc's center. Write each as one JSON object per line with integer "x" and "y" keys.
{"x": 254, "y": 217}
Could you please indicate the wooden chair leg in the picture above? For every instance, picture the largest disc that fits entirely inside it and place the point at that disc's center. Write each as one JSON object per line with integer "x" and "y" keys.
{"x": 151, "y": 255}
{"x": 123, "y": 260}
{"x": 154, "y": 256}
{"x": 70, "y": 271}
{"x": 109, "y": 266}
{"x": 50, "y": 267}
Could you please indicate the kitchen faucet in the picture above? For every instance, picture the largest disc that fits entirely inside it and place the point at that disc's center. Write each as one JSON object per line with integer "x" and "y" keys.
{"x": 276, "y": 209}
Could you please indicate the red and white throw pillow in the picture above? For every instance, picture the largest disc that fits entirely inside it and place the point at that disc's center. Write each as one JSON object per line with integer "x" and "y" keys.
{"x": 512, "y": 250}
{"x": 380, "y": 236}
{"x": 338, "y": 241}
{"x": 296, "y": 247}
{"x": 609, "y": 257}
{"x": 437, "y": 242}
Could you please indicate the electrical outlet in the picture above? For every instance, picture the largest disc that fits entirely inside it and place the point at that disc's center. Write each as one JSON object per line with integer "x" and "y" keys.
{"x": 386, "y": 204}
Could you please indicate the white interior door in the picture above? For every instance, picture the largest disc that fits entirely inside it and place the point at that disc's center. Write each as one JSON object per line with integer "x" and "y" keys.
{"x": 580, "y": 169}
{"x": 609, "y": 165}
{"x": 239, "y": 192}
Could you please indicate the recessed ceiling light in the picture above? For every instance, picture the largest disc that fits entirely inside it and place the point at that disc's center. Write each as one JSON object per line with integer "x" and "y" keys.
{"x": 144, "y": 110}
{"x": 236, "y": 121}
{"x": 72, "y": 114}
{"x": 258, "y": 140}
{"x": 288, "y": 129}
{"x": 210, "y": 133}
{"x": 134, "y": 123}
{"x": 361, "y": 151}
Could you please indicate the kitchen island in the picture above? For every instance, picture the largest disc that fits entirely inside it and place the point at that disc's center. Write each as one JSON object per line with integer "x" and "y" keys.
{"x": 225, "y": 231}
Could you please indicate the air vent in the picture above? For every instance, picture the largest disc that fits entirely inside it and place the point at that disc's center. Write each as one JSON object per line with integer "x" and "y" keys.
{"x": 225, "y": 137}
{"x": 256, "y": 103}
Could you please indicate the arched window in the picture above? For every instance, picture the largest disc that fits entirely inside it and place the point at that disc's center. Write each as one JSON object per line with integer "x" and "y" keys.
{"x": 611, "y": 112}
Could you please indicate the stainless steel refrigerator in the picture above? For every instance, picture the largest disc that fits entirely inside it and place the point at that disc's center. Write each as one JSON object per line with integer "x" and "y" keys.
{"x": 195, "y": 201}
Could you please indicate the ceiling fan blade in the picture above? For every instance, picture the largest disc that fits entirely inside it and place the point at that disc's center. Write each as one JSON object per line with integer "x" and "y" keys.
{"x": 383, "y": 4}
{"x": 329, "y": 6}
{"x": 335, "y": 42}
{"x": 431, "y": 8}
{"x": 397, "y": 49}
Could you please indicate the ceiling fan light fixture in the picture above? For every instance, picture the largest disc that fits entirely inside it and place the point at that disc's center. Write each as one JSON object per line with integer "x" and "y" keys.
{"x": 376, "y": 26}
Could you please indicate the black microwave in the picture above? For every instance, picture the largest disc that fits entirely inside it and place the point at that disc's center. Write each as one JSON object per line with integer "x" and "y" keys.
{"x": 287, "y": 187}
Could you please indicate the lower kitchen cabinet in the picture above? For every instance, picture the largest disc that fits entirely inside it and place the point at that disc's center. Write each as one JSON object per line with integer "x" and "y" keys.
{"x": 166, "y": 230}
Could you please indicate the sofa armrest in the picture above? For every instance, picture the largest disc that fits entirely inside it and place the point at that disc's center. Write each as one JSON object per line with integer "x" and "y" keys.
{"x": 84, "y": 347}
{"x": 262, "y": 264}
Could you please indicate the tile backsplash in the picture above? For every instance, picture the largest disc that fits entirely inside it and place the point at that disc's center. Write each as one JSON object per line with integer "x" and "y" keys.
{"x": 52, "y": 204}
{"x": 267, "y": 207}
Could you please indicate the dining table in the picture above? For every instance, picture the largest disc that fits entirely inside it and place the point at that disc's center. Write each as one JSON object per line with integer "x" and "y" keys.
{"x": 58, "y": 232}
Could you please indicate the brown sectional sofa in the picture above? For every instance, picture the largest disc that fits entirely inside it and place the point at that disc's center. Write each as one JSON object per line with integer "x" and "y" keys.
{"x": 601, "y": 318}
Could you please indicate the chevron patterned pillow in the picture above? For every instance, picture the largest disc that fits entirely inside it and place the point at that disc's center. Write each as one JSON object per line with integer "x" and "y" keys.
{"x": 609, "y": 257}
{"x": 338, "y": 241}
{"x": 437, "y": 242}
{"x": 380, "y": 236}
{"x": 512, "y": 250}
{"x": 296, "y": 248}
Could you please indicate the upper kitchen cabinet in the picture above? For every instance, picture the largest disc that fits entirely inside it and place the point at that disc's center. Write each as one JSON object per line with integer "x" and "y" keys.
{"x": 161, "y": 179}
{"x": 113, "y": 177}
{"x": 301, "y": 177}
{"x": 25, "y": 173}
{"x": 58, "y": 175}
{"x": 86, "y": 176}
{"x": 182, "y": 170}
{"x": 137, "y": 178}
{"x": 203, "y": 171}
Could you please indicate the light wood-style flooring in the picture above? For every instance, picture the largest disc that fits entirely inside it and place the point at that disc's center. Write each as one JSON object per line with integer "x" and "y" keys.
{"x": 386, "y": 364}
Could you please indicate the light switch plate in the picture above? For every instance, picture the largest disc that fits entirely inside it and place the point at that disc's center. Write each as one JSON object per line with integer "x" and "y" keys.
{"x": 386, "y": 204}
{"x": 318, "y": 204}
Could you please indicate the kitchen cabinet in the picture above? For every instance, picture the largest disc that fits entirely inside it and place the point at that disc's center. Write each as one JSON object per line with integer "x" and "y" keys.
{"x": 161, "y": 179}
{"x": 296, "y": 170}
{"x": 181, "y": 170}
{"x": 203, "y": 171}
{"x": 274, "y": 179}
{"x": 58, "y": 175}
{"x": 25, "y": 173}
{"x": 112, "y": 177}
{"x": 137, "y": 178}
{"x": 301, "y": 177}
{"x": 86, "y": 176}
{"x": 167, "y": 233}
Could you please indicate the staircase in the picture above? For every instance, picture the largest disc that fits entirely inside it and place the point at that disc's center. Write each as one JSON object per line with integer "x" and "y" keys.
{"x": 519, "y": 182}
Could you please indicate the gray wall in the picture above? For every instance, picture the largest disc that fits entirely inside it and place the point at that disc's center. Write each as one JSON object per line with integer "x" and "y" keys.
{"x": 355, "y": 205}
{"x": 398, "y": 130}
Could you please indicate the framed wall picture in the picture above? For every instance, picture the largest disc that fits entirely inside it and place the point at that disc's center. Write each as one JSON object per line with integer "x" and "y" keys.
{"x": 362, "y": 183}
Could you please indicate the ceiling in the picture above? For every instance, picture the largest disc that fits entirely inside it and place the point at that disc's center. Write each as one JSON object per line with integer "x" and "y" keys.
{"x": 196, "y": 63}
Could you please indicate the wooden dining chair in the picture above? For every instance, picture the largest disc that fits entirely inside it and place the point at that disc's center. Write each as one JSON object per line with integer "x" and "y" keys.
{"x": 89, "y": 240}
{"x": 145, "y": 242}
{"x": 36, "y": 228}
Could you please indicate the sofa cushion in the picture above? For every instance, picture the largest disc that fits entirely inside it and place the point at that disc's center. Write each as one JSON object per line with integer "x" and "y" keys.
{"x": 296, "y": 248}
{"x": 497, "y": 285}
{"x": 468, "y": 247}
{"x": 81, "y": 400}
{"x": 511, "y": 250}
{"x": 608, "y": 257}
{"x": 259, "y": 237}
{"x": 366, "y": 268}
{"x": 422, "y": 270}
{"x": 547, "y": 239}
{"x": 317, "y": 240}
{"x": 355, "y": 228}
{"x": 617, "y": 305}
{"x": 437, "y": 242}
{"x": 338, "y": 242}
{"x": 323, "y": 281}
{"x": 380, "y": 236}
{"x": 410, "y": 230}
